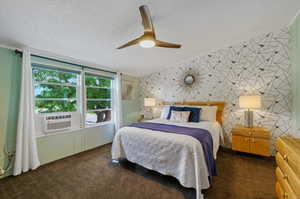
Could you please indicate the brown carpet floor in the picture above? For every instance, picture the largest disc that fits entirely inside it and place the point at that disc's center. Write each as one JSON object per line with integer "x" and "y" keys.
{"x": 91, "y": 175}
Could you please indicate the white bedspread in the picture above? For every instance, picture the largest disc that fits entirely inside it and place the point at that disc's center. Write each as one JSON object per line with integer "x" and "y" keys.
{"x": 177, "y": 155}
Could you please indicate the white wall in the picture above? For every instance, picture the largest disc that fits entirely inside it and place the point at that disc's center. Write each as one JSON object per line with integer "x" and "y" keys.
{"x": 54, "y": 147}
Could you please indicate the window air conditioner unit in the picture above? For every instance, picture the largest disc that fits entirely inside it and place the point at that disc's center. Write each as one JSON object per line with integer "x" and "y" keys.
{"x": 57, "y": 123}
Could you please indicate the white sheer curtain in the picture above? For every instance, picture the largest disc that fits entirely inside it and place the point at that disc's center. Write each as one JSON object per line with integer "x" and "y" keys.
{"x": 118, "y": 101}
{"x": 26, "y": 148}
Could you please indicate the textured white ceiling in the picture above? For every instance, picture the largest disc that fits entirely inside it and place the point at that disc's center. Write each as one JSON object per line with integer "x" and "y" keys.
{"x": 91, "y": 30}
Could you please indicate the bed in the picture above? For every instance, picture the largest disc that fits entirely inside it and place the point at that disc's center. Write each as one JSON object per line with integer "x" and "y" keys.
{"x": 178, "y": 155}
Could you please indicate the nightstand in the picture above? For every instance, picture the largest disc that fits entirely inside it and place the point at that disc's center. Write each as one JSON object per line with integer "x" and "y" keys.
{"x": 254, "y": 140}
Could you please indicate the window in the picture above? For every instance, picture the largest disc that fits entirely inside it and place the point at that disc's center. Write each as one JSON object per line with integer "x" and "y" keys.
{"x": 55, "y": 90}
{"x": 84, "y": 95}
{"x": 98, "y": 98}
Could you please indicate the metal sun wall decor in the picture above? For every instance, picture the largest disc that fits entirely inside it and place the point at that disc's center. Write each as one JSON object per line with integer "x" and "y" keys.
{"x": 189, "y": 79}
{"x": 260, "y": 66}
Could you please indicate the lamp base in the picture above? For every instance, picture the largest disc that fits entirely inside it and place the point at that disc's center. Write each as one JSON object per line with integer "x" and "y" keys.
{"x": 248, "y": 119}
{"x": 148, "y": 114}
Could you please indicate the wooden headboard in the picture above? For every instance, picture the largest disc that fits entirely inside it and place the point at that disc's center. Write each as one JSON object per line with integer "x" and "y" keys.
{"x": 220, "y": 106}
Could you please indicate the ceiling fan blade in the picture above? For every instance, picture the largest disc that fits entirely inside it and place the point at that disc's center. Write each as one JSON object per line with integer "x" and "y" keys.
{"x": 146, "y": 19}
{"x": 166, "y": 44}
{"x": 131, "y": 43}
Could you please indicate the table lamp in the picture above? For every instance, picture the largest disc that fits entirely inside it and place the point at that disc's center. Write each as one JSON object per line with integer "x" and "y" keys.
{"x": 149, "y": 102}
{"x": 249, "y": 102}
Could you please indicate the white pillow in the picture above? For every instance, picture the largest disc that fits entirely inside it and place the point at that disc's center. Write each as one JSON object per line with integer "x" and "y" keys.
{"x": 165, "y": 112}
{"x": 208, "y": 113}
{"x": 180, "y": 116}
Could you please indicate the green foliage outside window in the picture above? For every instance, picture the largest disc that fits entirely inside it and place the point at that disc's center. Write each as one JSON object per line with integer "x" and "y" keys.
{"x": 94, "y": 96}
{"x": 51, "y": 98}
{"x": 98, "y": 93}
{"x": 54, "y": 76}
{"x": 94, "y": 80}
{"x": 54, "y": 91}
{"x": 51, "y": 106}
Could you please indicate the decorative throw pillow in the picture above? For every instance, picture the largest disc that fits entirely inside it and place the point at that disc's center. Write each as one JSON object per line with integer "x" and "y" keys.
{"x": 174, "y": 108}
{"x": 180, "y": 116}
{"x": 165, "y": 112}
{"x": 195, "y": 113}
{"x": 209, "y": 113}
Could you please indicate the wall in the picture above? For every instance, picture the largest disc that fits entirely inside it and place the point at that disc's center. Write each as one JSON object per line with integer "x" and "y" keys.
{"x": 295, "y": 59}
{"x": 131, "y": 103}
{"x": 54, "y": 147}
{"x": 260, "y": 66}
{"x": 10, "y": 71}
{"x": 51, "y": 147}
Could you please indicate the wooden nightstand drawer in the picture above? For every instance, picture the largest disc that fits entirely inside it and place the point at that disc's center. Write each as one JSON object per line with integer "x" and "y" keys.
{"x": 240, "y": 143}
{"x": 289, "y": 153}
{"x": 260, "y": 146}
{"x": 251, "y": 140}
{"x": 288, "y": 170}
{"x": 288, "y": 192}
{"x": 281, "y": 194}
{"x": 279, "y": 191}
{"x": 261, "y": 134}
{"x": 258, "y": 132}
{"x": 290, "y": 176}
{"x": 241, "y": 132}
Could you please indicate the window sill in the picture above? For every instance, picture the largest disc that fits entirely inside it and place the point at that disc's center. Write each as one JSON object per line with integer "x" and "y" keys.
{"x": 97, "y": 125}
{"x": 73, "y": 130}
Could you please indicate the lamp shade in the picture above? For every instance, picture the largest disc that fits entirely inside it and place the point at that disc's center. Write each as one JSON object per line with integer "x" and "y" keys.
{"x": 149, "y": 102}
{"x": 250, "y": 101}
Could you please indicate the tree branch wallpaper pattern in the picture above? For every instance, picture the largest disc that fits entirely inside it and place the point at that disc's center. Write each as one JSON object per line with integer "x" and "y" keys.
{"x": 260, "y": 66}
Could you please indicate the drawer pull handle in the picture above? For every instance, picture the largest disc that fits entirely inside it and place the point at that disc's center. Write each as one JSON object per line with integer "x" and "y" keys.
{"x": 285, "y": 157}
{"x": 285, "y": 196}
{"x": 285, "y": 177}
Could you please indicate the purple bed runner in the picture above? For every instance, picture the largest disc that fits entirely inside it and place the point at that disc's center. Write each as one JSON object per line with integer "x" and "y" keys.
{"x": 202, "y": 135}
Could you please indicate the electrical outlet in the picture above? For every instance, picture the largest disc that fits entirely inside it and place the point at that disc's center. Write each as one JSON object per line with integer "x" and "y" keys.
{"x": 2, "y": 172}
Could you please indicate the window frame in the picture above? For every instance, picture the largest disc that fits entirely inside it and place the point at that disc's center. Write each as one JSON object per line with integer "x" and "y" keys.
{"x": 81, "y": 100}
{"x": 85, "y": 99}
{"x": 54, "y": 67}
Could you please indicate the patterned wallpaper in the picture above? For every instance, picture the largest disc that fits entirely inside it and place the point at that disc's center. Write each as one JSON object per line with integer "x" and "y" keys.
{"x": 260, "y": 66}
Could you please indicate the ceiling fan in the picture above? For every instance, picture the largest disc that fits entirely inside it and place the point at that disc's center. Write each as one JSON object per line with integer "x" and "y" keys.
{"x": 148, "y": 39}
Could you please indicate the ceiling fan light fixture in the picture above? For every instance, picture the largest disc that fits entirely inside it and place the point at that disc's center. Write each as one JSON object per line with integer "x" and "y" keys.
{"x": 147, "y": 43}
{"x": 148, "y": 39}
